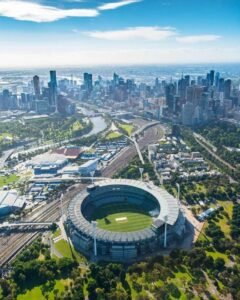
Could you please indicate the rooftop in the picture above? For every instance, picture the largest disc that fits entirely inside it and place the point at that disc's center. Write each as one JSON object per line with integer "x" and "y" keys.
{"x": 11, "y": 199}
{"x": 69, "y": 152}
{"x": 169, "y": 212}
{"x": 48, "y": 158}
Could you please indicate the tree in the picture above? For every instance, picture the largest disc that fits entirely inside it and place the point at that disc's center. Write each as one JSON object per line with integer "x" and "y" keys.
{"x": 91, "y": 288}
{"x": 5, "y": 286}
{"x": 66, "y": 265}
{"x": 219, "y": 264}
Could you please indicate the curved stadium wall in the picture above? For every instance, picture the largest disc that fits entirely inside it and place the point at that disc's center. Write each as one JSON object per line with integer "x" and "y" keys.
{"x": 127, "y": 245}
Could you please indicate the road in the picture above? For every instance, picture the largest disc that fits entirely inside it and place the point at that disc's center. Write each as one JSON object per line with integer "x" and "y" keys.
{"x": 215, "y": 155}
{"x": 4, "y": 157}
{"x": 11, "y": 245}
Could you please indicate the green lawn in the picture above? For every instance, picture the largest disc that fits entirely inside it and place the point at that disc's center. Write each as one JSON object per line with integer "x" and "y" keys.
{"x": 77, "y": 126}
{"x": 128, "y": 128}
{"x": 63, "y": 248}
{"x": 5, "y": 135}
{"x": 224, "y": 221}
{"x": 133, "y": 218}
{"x": 5, "y": 180}
{"x": 217, "y": 254}
{"x": 36, "y": 293}
{"x": 113, "y": 135}
{"x": 66, "y": 250}
{"x": 57, "y": 233}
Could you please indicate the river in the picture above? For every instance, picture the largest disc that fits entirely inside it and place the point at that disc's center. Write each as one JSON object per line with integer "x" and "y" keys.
{"x": 99, "y": 123}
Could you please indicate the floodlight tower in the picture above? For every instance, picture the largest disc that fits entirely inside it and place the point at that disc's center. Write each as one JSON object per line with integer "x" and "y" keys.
{"x": 178, "y": 194}
{"x": 94, "y": 225}
{"x": 141, "y": 172}
{"x": 61, "y": 203}
{"x": 165, "y": 231}
{"x": 92, "y": 175}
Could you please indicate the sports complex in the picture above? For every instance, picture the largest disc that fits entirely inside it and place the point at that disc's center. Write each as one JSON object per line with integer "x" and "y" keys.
{"x": 123, "y": 220}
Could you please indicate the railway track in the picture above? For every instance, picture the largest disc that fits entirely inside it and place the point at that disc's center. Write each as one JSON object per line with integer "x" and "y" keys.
{"x": 52, "y": 211}
{"x": 19, "y": 240}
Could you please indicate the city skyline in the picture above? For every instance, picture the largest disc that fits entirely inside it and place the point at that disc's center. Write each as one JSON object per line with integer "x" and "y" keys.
{"x": 128, "y": 32}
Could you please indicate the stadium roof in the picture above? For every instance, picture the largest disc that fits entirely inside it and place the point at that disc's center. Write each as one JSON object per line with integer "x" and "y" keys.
{"x": 89, "y": 163}
{"x": 69, "y": 152}
{"x": 48, "y": 158}
{"x": 10, "y": 199}
{"x": 169, "y": 212}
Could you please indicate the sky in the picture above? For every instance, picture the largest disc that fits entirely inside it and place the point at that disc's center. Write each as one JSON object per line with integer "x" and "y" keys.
{"x": 72, "y": 33}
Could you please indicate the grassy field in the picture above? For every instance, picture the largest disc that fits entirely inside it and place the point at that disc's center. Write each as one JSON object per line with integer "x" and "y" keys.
{"x": 57, "y": 233}
{"x": 113, "y": 135}
{"x": 66, "y": 250}
{"x": 224, "y": 221}
{"x": 5, "y": 135}
{"x": 5, "y": 180}
{"x": 77, "y": 126}
{"x": 122, "y": 218}
{"x": 36, "y": 293}
{"x": 128, "y": 128}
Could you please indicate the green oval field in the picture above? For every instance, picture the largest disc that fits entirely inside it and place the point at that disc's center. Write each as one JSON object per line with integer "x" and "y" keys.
{"x": 121, "y": 218}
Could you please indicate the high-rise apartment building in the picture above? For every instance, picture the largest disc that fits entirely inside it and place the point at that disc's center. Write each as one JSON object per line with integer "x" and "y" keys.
{"x": 36, "y": 86}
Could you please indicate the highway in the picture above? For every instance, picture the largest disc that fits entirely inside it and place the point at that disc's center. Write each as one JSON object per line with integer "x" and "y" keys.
{"x": 12, "y": 244}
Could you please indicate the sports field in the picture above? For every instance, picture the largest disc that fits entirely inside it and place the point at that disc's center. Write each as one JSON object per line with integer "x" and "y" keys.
{"x": 122, "y": 217}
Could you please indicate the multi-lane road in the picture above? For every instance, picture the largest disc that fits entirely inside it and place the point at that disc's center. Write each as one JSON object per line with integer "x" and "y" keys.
{"x": 12, "y": 244}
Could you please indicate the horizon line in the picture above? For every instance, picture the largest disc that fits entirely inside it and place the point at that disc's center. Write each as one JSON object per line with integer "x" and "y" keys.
{"x": 18, "y": 68}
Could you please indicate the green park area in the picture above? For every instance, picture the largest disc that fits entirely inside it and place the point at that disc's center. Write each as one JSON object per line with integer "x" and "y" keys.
{"x": 113, "y": 135}
{"x": 76, "y": 126}
{"x": 65, "y": 249}
{"x": 46, "y": 291}
{"x": 209, "y": 190}
{"x": 128, "y": 128}
{"x": 6, "y": 180}
{"x": 207, "y": 271}
{"x": 47, "y": 129}
{"x": 122, "y": 218}
{"x": 5, "y": 136}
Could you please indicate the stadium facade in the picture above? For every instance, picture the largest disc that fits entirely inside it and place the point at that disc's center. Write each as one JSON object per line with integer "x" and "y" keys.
{"x": 168, "y": 221}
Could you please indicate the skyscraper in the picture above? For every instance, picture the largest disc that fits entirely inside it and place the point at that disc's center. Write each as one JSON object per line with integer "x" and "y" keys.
{"x": 88, "y": 82}
{"x": 36, "y": 85}
{"x": 53, "y": 78}
{"x": 53, "y": 89}
{"x": 217, "y": 77}
{"x": 227, "y": 88}
{"x": 211, "y": 77}
{"x": 170, "y": 91}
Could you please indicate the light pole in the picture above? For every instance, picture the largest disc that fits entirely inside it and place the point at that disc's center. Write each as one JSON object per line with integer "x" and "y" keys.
{"x": 94, "y": 224}
{"x": 61, "y": 203}
{"x": 92, "y": 174}
{"x": 178, "y": 194}
{"x": 141, "y": 172}
{"x": 165, "y": 232}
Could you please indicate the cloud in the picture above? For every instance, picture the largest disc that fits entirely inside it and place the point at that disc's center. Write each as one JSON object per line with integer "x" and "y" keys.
{"x": 29, "y": 11}
{"x": 149, "y": 33}
{"x": 115, "y": 5}
{"x": 192, "y": 39}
